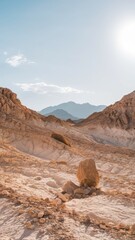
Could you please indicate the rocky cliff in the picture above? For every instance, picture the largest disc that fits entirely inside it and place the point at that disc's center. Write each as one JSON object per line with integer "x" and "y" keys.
{"x": 120, "y": 115}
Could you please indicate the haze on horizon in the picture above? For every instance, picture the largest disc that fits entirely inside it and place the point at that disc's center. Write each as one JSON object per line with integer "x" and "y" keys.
{"x": 58, "y": 51}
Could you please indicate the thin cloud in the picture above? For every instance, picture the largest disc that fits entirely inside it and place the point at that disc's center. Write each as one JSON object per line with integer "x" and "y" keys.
{"x": 18, "y": 60}
{"x": 43, "y": 88}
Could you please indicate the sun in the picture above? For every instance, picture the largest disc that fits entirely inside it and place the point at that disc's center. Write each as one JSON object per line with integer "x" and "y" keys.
{"x": 125, "y": 37}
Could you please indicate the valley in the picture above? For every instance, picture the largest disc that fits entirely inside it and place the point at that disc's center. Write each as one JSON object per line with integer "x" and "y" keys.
{"x": 39, "y": 154}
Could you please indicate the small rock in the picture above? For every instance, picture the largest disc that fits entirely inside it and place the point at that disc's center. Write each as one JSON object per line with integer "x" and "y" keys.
{"x": 29, "y": 225}
{"x": 41, "y": 231}
{"x": 122, "y": 231}
{"x": 79, "y": 191}
{"x": 87, "y": 191}
{"x": 52, "y": 184}
{"x": 62, "y": 197}
{"x": 61, "y": 219}
{"x": 60, "y": 232}
{"x": 69, "y": 187}
{"x": 56, "y": 202}
{"x": 38, "y": 178}
{"x": 5, "y": 193}
{"x": 21, "y": 211}
{"x": 110, "y": 224}
{"x": 48, "y": 212}
{"x": 77, "y": 195}
{"x": 41, "y": 220}
{"x": 94, "y": 194}
{"x": 41, "y": 214}
{"x": 34, "y": 220}
{"x": 32, "y": 213}
{"x": 68, "y": 196}
{"x": 102, "y": 226}
{"x": 122, "y": 226}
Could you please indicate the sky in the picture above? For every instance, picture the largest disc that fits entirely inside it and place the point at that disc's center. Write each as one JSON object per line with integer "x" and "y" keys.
{"x": 54, "y": 51}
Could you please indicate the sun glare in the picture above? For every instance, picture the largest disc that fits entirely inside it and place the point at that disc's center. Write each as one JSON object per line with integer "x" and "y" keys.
{"x": 125, "y": 37}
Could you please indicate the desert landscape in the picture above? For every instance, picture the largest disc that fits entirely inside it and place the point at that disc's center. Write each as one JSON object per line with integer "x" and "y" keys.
{"x": 67, "y": 120}
{"x": 43, "y": 194}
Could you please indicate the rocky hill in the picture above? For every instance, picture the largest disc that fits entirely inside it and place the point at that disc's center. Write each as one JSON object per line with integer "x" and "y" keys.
{"x": 114, "y": 125}
{"x": 120, "y": 115}
{"x": 26, "y": 129}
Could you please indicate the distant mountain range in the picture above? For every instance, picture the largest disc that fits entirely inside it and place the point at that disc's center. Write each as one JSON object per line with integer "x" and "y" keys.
{"x": 63, "y": 115}
{"x": 72, "y": 110}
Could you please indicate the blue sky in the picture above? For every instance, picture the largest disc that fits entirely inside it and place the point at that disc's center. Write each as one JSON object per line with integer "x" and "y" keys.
{"x": 54, "y": 51}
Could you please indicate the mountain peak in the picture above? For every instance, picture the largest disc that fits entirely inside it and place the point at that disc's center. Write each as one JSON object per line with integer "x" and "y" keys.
{"x": 129, "y": 96}
{"x": 7, "y": 94}
{"x": 8, "y": 100}
{"x": 61, "y": 114}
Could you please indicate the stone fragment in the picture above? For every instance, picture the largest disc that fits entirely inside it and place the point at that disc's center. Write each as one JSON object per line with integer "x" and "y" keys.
{"x": 41, "y": 214}
{"x": 41, "y": 220}
{"x": 77, "y": 195}
{"x": 102, "y": 226}
{"x": 69, "y": 187}
{"x": 79, "y": 191}
{"x": 5, "y": 193}
{"x": 21, "y": 211}
{"x": 68, "y": 196}
{"x": 52, "y": 184}
{"x": 56, "y": 202}
{"x": 41, "y": 231}
{"x": 94, "y": 194}
{"x": 62, "y": 197}
{"x": 29, "y": 225}
{"x": 38, "y": 178}
{"x": 32, "y": 213}
{"x": 34, "y": 220}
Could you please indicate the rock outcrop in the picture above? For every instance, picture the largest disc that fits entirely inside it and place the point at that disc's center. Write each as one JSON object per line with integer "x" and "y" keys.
{"x": 30, "y": 131}
{"x": 115, "y": 125}
{"x": 87, "y": 173}
{"x": 120, "y": 115}
{"x": 11, "y": 106}
{"x": 60, "y": 138}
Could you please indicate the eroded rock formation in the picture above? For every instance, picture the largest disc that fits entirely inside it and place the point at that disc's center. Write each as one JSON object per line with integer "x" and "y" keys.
{"x": 120, "y": 115}
{"x": 115, "y": 125}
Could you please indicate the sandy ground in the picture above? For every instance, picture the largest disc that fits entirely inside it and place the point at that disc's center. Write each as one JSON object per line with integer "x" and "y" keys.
{"x": 27, "y": 181}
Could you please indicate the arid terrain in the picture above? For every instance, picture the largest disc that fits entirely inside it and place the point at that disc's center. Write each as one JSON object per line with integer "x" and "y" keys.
{"x": 39, "y": 154}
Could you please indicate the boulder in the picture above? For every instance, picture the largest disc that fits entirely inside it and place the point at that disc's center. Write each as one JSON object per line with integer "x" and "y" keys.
{"x": 60, "y": 138}
{"x": 87, "y": 173}
{"x": 69, "y": 187}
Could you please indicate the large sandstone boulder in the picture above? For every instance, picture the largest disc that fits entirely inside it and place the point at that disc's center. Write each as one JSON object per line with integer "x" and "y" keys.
{"x": 87, "y": 173}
